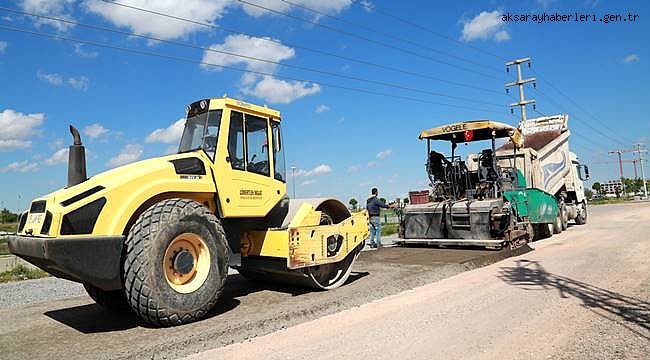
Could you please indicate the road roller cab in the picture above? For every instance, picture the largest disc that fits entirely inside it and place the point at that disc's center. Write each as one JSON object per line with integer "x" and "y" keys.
{"x": 159, "y": 235}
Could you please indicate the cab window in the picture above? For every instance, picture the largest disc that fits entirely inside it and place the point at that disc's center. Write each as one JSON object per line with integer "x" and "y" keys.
{"x": 211, "y": 134}
{"x": 257, "y": 145}
{"x": 278, "y": 152}
{"x": 236, "y": 141}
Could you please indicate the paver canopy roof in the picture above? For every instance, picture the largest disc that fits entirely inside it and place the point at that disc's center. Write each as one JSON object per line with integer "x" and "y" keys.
{"x": 477, "y": 130}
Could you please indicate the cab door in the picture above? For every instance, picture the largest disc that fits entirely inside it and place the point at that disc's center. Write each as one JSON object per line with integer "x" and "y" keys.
{"x": 252, "y": 190}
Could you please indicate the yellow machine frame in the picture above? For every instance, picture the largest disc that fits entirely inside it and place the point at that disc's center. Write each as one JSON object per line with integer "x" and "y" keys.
{"x": 228, "y": 192}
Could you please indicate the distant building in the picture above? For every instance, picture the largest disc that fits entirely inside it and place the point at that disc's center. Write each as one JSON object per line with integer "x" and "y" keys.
{"x": 612, "y": 187}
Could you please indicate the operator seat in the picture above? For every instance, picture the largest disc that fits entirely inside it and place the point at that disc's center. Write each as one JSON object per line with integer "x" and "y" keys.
{"x": 437, "y": 165}
{"x": 487, "y": 172}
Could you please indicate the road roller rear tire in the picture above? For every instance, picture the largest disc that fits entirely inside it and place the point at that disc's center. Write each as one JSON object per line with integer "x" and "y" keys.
{"x": 114, "y": 300}
{"x": 176, "y": 263}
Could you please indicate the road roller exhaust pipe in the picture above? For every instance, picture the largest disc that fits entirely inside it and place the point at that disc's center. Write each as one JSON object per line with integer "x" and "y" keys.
{"x": 76, "y": 160}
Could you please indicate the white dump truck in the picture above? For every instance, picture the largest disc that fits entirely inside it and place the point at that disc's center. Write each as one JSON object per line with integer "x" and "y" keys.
{"x": 547, "y": 163}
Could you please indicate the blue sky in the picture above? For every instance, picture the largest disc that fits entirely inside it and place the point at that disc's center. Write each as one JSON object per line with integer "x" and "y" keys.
{"x": 342, "y": 142}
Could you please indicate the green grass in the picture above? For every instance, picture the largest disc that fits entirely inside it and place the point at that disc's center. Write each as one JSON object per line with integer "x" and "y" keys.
{"x": 22, "y": 272}
{"x": 608, "y": 201}
{"x": 9, "y": 227}
{"x": 389, "y": 229}
{"x": 4, "y": 249}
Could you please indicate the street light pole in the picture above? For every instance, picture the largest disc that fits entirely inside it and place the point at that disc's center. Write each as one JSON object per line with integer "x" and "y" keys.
{"x": 293, "y": 180}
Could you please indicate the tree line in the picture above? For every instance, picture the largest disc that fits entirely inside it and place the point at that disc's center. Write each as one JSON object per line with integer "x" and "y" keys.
{"x": 7, "y": 216}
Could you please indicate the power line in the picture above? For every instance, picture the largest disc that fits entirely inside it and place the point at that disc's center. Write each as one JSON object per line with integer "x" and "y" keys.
{"x": 303, "y": 68}
{"x": 297, "y": 46}
{"x": 374, "y": 8}
{"x": 578, "y": 106}
{"x": 187, "y": 60}
{"x": 369, "y": 40}
{"x": 386, "y": 34}
{"x": 578, "y": 135}
{"x": 598, "y": 131}
{"x": 426, "y": 29}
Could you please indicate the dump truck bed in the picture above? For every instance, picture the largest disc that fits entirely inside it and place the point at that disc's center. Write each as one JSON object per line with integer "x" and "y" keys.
{"x": 545, "y": 159}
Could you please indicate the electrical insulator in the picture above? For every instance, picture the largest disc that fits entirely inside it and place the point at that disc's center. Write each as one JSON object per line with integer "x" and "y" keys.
{"x": 507, "y": 91}
{"x": 535, "y": 85}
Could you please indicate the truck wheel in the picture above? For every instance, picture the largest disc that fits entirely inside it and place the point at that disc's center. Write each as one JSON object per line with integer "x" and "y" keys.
{"x": 581, "y": 218}
{"x": 110, "y": 300}
{"x": 564, "y": 215}
{"x": 557, "y": 224}
{"x": 176, "y": 262}
{"x": 541, "y": 231}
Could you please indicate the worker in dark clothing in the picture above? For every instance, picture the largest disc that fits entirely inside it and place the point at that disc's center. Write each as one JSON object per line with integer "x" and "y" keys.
{"x": 374, "y": 206}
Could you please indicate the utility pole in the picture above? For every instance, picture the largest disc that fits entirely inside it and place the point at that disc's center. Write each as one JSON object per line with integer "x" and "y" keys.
{"x": 620, "y": 166}
{"x": 641, "y": 159}
{"x": 520, "y": 83}
{"x": 619, "y": 153}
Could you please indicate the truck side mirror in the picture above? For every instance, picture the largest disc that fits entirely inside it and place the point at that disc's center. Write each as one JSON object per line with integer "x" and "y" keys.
{"x": 586, "y": 172}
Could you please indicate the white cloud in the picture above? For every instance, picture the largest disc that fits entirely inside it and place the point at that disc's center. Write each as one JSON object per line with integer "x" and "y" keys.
{"x": 169, "y": 135}
{"x": 12, "y": 144}
{"x": 20, "y": 166}
{"x": 202, "y": 11}
{"x": 322, "y": 108}
{"x": 266, "y": 87}
{"x": 329, "y": 7}
{"x": 307, "y": 182}
{"x": 56, "y": 144}
{"x": 59, "y": 157}
{"x": 94, "y": 131}
{"x": 318, "y": 170}
{"x": 54, "y": 79}
{"x": 53, "y": 8}
{"x": 545, "y": 3}
{"x": 129, "y": 153}
{"x": 631, "y": 58}
{"x": 88, "y": 54}
{"x": 367, "y": 5}
{"x": 3, "y": 46}
{"x": 484, "y": 26}
{"x": 277, "y": 91}
{"x": 353, "y": 168}
{"x": 172, "y": 149}
{"x": 254, "y": 47}
{"x": 18, "y": 128}
{"x": 502, "y": 36}
{"x": 384, "y": 154}
{"x": 79, "y": 83}
{"x": 372, "y": 163}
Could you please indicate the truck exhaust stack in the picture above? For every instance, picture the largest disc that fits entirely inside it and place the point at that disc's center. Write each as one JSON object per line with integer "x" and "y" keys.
{"x": 76, "y": 160}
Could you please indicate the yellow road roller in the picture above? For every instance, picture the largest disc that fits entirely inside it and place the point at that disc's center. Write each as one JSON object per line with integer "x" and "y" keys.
{"x": 158, "y": 236}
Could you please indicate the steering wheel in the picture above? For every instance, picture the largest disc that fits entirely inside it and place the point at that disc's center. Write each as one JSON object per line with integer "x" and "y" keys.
{"x": 261, "y": 167}
{"x": 237, "y": 163}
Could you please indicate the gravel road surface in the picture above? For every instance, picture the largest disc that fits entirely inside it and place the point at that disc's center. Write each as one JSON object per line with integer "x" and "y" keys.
{"x": 75, "y": 328}
{"x": 584, "y": 294}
